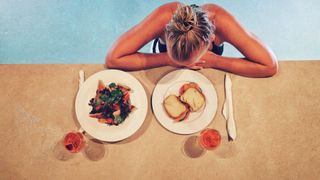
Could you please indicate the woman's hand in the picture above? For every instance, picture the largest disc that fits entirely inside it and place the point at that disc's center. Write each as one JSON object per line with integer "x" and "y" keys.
{"x": 196, "y": 66}
{"x": 206, "y": 61}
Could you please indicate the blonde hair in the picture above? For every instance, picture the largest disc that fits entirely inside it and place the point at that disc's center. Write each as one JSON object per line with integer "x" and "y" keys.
{"x": 187, "y": 31}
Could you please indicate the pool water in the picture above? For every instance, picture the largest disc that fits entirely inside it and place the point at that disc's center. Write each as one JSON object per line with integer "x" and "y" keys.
{"x": 81, "y": 31}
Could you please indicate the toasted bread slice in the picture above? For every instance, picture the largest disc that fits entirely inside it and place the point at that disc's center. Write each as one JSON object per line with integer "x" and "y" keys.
{"x": 194, "y": 98}
{"x": 186, "y": 86}
{"x": 175, "y": 108}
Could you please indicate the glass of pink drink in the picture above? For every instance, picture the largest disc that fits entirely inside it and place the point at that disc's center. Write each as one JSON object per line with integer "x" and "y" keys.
{"x": 209, "y": 139}
{"x": 74, "y": 141}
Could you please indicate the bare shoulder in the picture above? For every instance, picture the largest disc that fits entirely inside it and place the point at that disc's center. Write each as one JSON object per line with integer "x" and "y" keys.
{"x": 163, "y": 14}
{"x": 156, "y": 22}
{"x": 210, "y": 7}
{"x": 211, "y": 10}
{"x": 149, "y": 28}
{"x": 216, "y": 12}
{"x": 170, "y": 7}
{"x": 226, "y": 24}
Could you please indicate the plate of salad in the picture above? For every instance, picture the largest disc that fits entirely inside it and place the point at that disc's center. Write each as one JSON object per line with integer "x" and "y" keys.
{"x": 111, "y": 105}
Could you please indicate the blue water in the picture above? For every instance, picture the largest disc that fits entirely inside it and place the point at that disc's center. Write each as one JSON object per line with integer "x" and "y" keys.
{"x": 81, "y": 31}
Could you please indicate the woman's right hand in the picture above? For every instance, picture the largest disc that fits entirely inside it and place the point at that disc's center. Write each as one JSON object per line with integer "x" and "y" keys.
{"x": 206, "y": 61}
{"x": 197, "y": 66}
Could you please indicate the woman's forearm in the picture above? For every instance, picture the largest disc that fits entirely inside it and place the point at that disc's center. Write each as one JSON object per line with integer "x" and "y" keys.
{"x": 138, "y": 61}
{"x": 243, "y": 67}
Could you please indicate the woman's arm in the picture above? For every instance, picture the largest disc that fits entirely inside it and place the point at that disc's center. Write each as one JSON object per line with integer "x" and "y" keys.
{"x": 124, "y": 52}
{"x": 259, "y": 60}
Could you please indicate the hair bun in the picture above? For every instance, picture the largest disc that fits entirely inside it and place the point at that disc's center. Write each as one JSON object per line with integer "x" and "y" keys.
{"x": 185, "y": 19}
{"x": 187, "y": 31}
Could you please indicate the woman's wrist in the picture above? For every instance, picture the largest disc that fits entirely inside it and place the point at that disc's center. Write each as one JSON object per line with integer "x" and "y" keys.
{"x": 213, "y": 60}
{"x": 210, "y": 59}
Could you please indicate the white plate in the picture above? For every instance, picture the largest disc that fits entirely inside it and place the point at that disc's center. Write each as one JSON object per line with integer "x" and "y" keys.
{"x": 102, "y": 131}
{"x": 170, "y": 84}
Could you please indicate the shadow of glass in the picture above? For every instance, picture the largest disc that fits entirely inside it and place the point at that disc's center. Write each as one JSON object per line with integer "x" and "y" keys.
{"x": 60, "y": 152}
{"x": 94, "y": 150}
{"x": 191, "y": 147}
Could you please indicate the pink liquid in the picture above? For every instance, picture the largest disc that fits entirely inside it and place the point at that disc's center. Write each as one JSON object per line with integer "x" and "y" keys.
{"x": 210, "y": 138}
{"x": 74, "y": 142}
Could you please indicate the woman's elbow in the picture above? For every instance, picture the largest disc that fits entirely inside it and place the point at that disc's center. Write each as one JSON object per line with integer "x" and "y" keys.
{"x": 110, "y": 61}
{"x": 272, "y": 69}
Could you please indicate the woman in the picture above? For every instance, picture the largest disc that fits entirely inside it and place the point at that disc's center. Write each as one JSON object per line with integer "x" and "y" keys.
{"x": 192, "y": 37}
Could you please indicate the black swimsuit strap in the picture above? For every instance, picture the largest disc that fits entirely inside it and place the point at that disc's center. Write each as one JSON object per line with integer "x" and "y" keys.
{"x": 154, "y": 45}
{"x": 194, "y": 6}
{"x": 217, "y": 49}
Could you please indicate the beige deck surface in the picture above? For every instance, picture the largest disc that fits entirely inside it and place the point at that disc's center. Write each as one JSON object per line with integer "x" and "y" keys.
{"x": 278, "y": 123}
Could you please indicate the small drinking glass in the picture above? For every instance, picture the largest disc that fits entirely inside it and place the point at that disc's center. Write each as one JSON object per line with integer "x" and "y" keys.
{"x": 75, "y": 142}
{"x": 209, "y": 139}
{"x": 69, "y": 145}
{"x": 196, "y": 146}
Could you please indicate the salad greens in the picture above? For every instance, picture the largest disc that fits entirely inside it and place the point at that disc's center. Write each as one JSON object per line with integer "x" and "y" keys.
{"x": 112, "y": 104}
